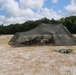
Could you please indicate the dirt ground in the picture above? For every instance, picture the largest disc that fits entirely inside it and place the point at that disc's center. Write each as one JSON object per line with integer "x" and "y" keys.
{"x": 35, "y": 60}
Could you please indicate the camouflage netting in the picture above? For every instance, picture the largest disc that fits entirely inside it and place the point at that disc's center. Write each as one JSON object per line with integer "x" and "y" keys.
{"x": 66, "y": 51}
{"x": 45, "y": 34}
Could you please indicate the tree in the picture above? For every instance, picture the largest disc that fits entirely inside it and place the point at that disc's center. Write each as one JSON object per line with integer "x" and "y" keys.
{"x": 69, "y": 22}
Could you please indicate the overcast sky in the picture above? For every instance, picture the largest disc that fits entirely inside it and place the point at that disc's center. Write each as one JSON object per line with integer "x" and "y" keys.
{"x": 19, "y": 11}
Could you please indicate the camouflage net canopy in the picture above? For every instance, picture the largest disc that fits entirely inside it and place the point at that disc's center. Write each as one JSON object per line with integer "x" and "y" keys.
{"x": 45, "y": 34}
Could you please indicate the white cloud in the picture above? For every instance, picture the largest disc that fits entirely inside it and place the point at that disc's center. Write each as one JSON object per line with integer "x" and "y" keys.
{"x": 49, "y": 13}
{"x": 12, "y": 8}
{"x": 2, "y": 19}
{"x": 54, "y": 1}
{"x": 19, "y": 12}
{"x": 71, "y": 7}
{"x": 60, "y": 11}
{"x": 35, "y": 4}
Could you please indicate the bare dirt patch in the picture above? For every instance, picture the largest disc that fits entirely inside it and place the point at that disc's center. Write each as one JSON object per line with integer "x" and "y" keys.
{"x": 39, "y": 60}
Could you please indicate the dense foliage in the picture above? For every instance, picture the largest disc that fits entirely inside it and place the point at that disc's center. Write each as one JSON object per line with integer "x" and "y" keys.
{"x": 69, "y": 22}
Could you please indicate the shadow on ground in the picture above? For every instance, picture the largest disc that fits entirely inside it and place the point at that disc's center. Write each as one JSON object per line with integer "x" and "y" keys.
{"x": 34, "y": 45}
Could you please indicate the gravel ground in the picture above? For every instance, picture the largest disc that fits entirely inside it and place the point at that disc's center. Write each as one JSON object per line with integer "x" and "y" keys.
{"x": 36, "y": 60}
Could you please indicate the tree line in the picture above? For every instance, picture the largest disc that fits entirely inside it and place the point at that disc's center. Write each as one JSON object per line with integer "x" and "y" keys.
{"x": 69, "y": 22}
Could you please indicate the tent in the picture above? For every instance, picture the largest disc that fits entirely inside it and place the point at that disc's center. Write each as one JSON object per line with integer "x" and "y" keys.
{"x": 45, "y": 34}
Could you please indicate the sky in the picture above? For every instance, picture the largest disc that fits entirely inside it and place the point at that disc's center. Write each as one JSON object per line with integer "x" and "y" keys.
{"x": 20, "y": 11}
